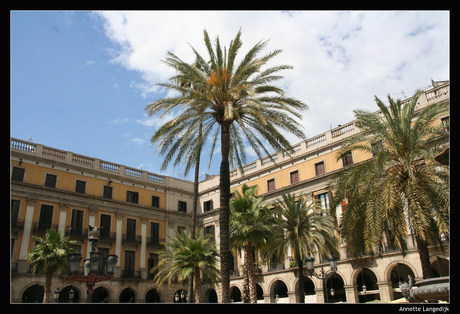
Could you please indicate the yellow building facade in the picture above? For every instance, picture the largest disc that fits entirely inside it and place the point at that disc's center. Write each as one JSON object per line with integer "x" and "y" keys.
{"x": 137, "y": 210}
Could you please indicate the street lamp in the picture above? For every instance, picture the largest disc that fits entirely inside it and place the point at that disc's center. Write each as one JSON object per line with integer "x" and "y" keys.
{"x": 323, "y": 275}
{"x": 91, "y": 266}
{"x": 56, "y": 295}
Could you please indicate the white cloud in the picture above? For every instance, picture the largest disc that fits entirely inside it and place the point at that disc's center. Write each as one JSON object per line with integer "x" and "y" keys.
{"x": 90, "y": 62}
{"x": 341, "y": 59}
{"x": 118, "y": 121}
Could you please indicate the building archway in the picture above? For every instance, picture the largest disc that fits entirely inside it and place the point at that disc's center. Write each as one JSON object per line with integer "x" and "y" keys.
{"x": 100, "y": 295}
{"x": 368, "y": 289}
{"x": 152, "y": 296}
{"x": 64, "y": 295}
{"x": 260, "y": 294}
{"x": 235, "y": 294}
{"x": 399, "y": 273}
{"x": 180, "y": 296}
{"x": 210, "y": 296}
{"x": 335, "y": 282}
{"x": 128, "y": 295}
{"x": 279, "y": 292}
{"x": 309, "y": 290}
{"x": 440, "y": 267}
{"x": 33, "y": 294}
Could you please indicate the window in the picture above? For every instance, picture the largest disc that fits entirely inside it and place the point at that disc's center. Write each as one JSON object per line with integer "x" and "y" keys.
{"x": 347, "y": 159}
{"x": 152, "y": 262}
{"x": 80, "y": 186}
{"x": 129, "y": 264}
{"x": 105, "y": 226}
{"x": 210, "y": 230}
{"x": 132, "y": 197}
{"x": 154, "y": 233}
{"x": 445, "y": 124}
{"x": 208, "y": 206}
{"x": 18, "y": 174}
{"x": 294, "y": 176}
{"x": 130, "y": 229}
{"x": 271, "y": 185}
{"x": 77, "y": 222}
{"x": 155, "y": 201}
{"x": 319, "y": 168}
{"x": 15, "y": 205}
{"x": 46, "y": 217}
{"x": 323, "y": 200}
{"x": 107, "y": 192}
{"x": 182, "y": 207}
{"x": 50, "y": 180}
{"x": 376, "y": 147}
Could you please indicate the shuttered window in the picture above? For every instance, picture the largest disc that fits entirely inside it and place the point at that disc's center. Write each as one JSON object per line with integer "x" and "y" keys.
{"x": 271, "y": 185}
{"x": 294, "y": 177}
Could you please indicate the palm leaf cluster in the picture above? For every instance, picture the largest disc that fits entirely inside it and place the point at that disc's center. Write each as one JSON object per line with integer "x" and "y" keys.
{"x": 303, "y": 227}
{"x": 251, "y": 228}
{"x": 401, "y": 190}
{"x": 48, "y": 256}
{"x": 184, "y": 255}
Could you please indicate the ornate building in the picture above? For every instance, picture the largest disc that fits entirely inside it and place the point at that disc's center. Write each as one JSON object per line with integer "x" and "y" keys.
{"x": 137, "y": 210}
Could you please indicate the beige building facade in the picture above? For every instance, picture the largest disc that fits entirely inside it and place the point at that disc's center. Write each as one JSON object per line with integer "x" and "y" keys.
{"x": 58, "y": 189}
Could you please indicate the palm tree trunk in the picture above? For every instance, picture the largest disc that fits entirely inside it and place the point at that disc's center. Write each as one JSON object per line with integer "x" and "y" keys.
{"x": 424, "y": 255}
{"x": 47, "y": 293}
{"x": 245, "y": 292}
{"x": 197, "y": 284}
{"x": 251, "y": 275}
{"x": 194, "y": 211}
{"x": 301, "y": 280}
{"x": 224, "y": 213}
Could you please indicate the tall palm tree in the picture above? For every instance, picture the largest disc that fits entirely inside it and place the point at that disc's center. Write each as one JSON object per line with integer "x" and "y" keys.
{"x": 48, "y": 256}
{"x": 401, "y": 190}
{"x": 184, "y": 255}
{"x": 172, "y": 141}
{"x": 251, "y": 227}
{"x": 239, "y": 104}
{"x": 302, "y": 227}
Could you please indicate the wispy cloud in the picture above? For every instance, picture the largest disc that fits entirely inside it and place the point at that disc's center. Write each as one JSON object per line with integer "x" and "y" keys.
{"x": 118, "y": 121}
{"x": 341, "y": 59}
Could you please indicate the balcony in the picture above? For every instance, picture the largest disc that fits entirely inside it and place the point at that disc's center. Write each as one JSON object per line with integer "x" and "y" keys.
{"x": 41, "y": 227}
{"x": 107, "y": 236}
{"x": 131, "y": 274}
{"x": 131, "y": 239}
{"x": 77, "y": 233}
{"x": 155, "y": 242}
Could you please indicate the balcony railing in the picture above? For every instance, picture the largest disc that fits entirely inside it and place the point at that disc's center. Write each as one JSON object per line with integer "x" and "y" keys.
{"x": 42, "y": 227}
{"x": 155, "y": 242}
{"x": 131, "y": 239}
{"x": 132, "y": 274}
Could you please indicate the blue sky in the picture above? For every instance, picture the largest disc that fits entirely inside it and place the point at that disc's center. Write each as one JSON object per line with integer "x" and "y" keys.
{"x": 80, "y": 80}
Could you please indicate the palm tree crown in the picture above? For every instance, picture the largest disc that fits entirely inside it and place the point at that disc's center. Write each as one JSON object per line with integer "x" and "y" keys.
{"x": 303, "y": 228}
{"x": 184, "y": 255}
{"x": 236, "y": 102}
{"x": 401, "y": 190}
{"x": 48, "y": 256}
{"x": 251, "y": 227}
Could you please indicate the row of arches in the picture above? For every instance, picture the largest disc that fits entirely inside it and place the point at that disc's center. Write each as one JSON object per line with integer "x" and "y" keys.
{"x": 365, "y": 279}
{"x": 277, "y": 291}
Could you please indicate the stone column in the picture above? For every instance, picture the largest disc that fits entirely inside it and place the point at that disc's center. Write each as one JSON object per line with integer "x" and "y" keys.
{"x": 143, "y": 247}
{"x": 386, "y": 290}
{"x": 351, "y": 292}
{"x": 23, "y": 267}
{"x": 62, "y": 218}
{"x": 118, "y": 244}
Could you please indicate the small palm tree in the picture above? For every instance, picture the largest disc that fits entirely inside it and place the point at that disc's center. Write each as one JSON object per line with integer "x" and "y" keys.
{"x": 401, "y": 190}
{"x": 184, "y": 255}
{"x": 251, "y": 227}
{"x": 48, "y": 256}
{"x": 302, "y": 227}
{"x": 235, "y": 103}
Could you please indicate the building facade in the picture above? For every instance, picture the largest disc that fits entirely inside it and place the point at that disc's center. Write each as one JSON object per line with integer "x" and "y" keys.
{"x": 57, "y": 189}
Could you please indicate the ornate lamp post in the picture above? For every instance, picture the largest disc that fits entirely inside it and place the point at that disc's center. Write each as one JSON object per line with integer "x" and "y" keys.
{"x": 323, "y": 275}
{"x": 91, "y": 265}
